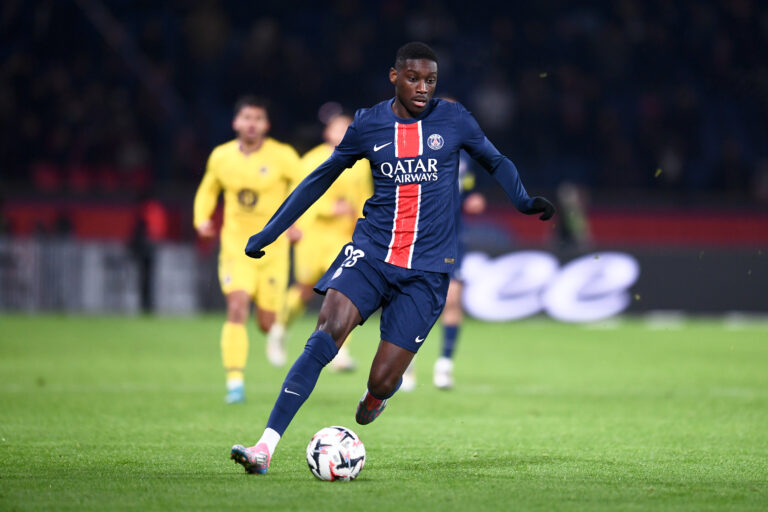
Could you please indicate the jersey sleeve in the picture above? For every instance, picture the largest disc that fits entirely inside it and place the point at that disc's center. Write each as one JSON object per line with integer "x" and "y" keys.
{"x": 310, "y": 189}
{"x": 303, "y": 196}
{"x": 324, "y": 206}
{"x": 350, "y": 152}
{"x": 350, "y": 149}
{"x": 208, "y": 192}
{"x": 499, "y": 166}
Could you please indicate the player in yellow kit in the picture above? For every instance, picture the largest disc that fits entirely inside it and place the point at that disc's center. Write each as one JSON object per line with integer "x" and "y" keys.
{"x": 328, "y": 224}
{"x": 256, "y": 173}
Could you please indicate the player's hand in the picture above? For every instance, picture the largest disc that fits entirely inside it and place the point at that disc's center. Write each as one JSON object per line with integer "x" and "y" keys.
{"x": 206, "y": 229}
{"x": 254, "y": 246}
{"x": 542, "y": 206}
{"x": 294, "y": 234}
{"x": 474, "y": 203}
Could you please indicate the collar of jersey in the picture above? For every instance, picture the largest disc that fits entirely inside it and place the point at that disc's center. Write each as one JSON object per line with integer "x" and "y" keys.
{"x": 410, "y": 120}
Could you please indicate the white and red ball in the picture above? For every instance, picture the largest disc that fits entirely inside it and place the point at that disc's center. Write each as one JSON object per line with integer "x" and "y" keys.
{"x": 335, "y": 453}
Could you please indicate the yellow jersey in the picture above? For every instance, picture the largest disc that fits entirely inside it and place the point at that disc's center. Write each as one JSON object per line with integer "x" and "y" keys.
{"x": 254, "y": 186}
{"x": 354, "y": 185}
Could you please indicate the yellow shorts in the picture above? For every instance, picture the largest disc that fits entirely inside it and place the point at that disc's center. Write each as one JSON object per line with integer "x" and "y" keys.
{"x": 264, "y": 279}
{"x": 313, "y": 255}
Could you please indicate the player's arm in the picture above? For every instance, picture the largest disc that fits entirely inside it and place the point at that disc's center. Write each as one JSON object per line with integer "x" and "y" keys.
{"x": 303, "y": 196}
{"x": 205, "y": 200}
{"x": 322, "y": 206}
{"x": 306, "y": 193}
{"x": 502, "y": 169}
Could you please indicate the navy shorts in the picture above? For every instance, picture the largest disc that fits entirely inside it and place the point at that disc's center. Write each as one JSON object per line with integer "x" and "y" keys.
{"x": 410, "y": 300}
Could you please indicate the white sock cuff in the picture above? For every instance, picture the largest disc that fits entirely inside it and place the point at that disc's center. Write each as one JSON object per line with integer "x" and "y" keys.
{"x": 234, "y": 383}
{"x": 271, "y": 438}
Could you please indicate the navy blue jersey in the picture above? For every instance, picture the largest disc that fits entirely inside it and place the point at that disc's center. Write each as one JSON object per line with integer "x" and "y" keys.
{"x": 409, "y": 221}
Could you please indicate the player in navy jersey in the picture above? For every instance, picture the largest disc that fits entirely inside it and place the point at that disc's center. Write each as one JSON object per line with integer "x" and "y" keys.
{"x": 403, "y": 249}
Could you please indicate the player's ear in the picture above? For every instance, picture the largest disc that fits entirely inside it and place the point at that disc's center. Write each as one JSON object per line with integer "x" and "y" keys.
{"x": 392, "y": 75}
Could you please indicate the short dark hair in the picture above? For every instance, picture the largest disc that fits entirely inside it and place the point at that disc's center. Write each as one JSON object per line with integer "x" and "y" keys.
{"x": 414, "y": 50}
{"x": 250, "y": 100}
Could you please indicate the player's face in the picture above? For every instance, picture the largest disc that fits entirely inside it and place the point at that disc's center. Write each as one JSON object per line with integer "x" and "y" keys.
{"x": 335, "y": 129}
{"x": 251, "y": 123}
{"x": 415, "y": 84}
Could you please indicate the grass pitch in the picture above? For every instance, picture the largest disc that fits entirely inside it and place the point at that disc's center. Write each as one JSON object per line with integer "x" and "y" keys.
{"x": 128, "y": 413}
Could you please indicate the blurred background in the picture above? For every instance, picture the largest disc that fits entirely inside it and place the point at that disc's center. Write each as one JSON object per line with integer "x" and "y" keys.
{"x": 646, "y": 121}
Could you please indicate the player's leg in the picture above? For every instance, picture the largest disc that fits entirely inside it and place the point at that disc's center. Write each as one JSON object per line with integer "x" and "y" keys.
{"x": 406, "y": 320}
{"x": 234, "y": 344}
{"x": 304, "y": 293}
{"x": 269, "y": 299}
{"x": 313, "y": 255}
{"x": 267, "y": 323}
{"x": 451, "y": 320}
{"x": 344, "y": 362}
{"x": 352, "y": 286}
{"x": 384, "y": 380}
{"x": 338, "y": 316}
{"x": 237, "y": 277}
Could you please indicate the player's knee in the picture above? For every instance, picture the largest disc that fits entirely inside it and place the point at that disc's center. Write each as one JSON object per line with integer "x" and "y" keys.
{"x": 338, "y": 316}
{"x": 334, "y": 327}
{"x": 237, "y": 314}
{"x": 237, "y": 307}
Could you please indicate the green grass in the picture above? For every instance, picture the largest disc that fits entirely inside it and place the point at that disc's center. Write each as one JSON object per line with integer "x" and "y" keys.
{"x": 127, "y": 413}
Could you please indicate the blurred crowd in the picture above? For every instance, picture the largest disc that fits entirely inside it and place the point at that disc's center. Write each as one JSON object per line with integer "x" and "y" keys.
{"x": 122, "y": 97}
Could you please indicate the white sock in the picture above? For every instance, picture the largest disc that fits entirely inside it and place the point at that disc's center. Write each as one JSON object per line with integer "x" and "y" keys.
{"x": 234, "y": 383}
{"x": 271, "y": 438}
{"x": 276, "y": 334}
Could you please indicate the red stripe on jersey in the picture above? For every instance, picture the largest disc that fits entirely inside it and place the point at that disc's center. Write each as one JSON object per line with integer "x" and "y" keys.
{"x": 405, "y": 226}
{"x": 408, "y": 143}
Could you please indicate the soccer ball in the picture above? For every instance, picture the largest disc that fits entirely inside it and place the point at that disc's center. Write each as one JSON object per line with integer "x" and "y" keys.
{"x": 335, "y": 453}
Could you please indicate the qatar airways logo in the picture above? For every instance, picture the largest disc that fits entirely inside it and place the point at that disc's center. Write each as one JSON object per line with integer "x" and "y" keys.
{"x": 410, "y": 170}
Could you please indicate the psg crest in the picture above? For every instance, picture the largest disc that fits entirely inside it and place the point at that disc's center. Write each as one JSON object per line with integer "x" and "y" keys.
{"x": 435, "y": 141}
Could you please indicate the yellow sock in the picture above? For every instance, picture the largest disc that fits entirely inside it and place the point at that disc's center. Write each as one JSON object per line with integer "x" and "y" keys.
{"x": 294, "y": 306}
{"x": 234, "y": 349}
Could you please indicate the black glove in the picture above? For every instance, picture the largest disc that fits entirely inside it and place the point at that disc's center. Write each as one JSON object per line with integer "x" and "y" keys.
{"x": 253, "y": 247}
{"x": 542, "y": 206}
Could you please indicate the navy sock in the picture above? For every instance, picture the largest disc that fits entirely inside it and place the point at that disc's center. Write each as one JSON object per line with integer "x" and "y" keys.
{"x": 450, "y": 335}
{"x": 301, "y": 379}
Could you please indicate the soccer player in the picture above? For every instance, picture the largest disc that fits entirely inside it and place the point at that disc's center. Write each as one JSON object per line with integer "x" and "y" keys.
{"x": 255, "y": 172}
{"x": 402, "y": 251}
{"x": 327, "y": 225}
